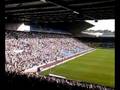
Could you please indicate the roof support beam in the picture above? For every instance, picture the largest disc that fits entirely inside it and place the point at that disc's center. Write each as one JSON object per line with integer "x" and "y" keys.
{"x": 18, "y": 1}
{"x": 97, "y": 8}
{"x": 63, "y": 6}
{"x": 91, "y": 3}
{"x": 68, "y": 8}
{"x": 34, "y": 9}
{"x": 37, "y": 13}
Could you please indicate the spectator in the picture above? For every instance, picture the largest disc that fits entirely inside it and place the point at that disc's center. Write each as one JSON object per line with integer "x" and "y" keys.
{"x": 25, "y": 50}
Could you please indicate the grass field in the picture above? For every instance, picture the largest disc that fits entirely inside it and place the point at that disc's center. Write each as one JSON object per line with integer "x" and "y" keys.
{"x": 95, "y": 67}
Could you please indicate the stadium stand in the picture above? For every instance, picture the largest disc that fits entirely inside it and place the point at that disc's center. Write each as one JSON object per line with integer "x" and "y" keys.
{"x": 27, "y": 49}
{"x": 34, "y": 81}
{"x": 104, "y": 42}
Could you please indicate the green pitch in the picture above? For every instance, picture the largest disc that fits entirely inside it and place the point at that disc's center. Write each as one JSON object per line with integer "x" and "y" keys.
{"x": 95, "y": 67}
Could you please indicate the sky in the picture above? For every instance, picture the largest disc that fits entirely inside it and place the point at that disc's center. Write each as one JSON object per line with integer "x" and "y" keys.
{"x": 23, "y": 27}
{"x": 102, "y": 24}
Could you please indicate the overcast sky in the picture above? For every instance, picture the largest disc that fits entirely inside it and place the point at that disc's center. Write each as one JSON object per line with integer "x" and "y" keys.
{"x": 103, "y": 24}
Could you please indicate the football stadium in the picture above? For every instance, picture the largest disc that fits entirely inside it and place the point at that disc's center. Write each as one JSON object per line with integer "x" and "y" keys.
{"x": 53, "y": 44}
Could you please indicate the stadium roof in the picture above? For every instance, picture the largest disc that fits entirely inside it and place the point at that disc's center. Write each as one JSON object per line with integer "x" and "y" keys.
{"x": 44, "y": 11}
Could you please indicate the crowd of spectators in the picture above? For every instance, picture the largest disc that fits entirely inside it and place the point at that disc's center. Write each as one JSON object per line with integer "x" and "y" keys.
{"x": 33, "y": 81}
{"x": 27, "y": 49}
